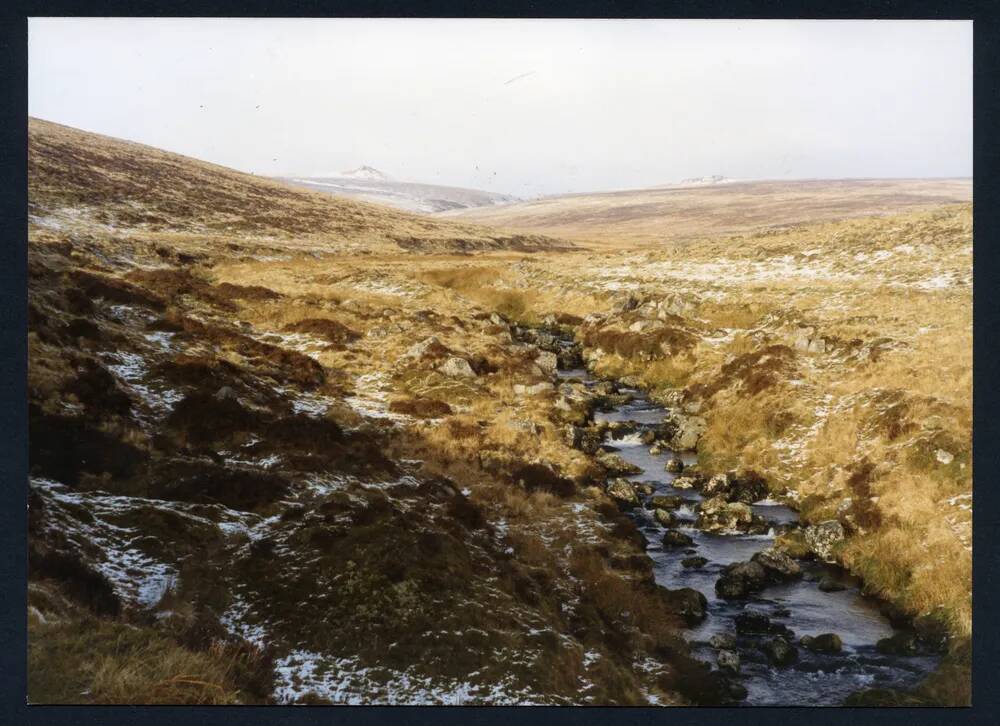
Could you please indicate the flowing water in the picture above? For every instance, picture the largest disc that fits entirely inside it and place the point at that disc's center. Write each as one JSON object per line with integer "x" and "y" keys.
{"x": 816, "y": 679}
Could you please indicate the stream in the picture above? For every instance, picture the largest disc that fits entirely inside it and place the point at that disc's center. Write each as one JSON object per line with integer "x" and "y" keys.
{"x": 817, "y": 678}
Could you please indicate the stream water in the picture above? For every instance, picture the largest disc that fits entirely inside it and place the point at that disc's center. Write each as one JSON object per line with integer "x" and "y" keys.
{"x": 817, "y": 678}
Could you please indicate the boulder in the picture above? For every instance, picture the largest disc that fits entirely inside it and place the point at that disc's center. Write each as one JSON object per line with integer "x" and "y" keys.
{"x": 689, "y": 562}
{"x": 753, "y": 623}
{"x": 457, "y": 368}
{"x": 747, "y": 487}
{"x": 718, "y": 515}
{"x": 717, "y": 486}
{"x": 427, "y": 347}
{"x": 647, "y": 437}
{"x": 824, "y": 643}
{"x": 684, "y": 431}
{"x": 616, "y": 465}
{"x": 226, "y": 393}
{"x": 548, "y": 362}
{"x": 728, "y": 660}
{"x": 623, "y": 492}
{"x": 673, "y": 538}
{"x": 822, "y": 538}
{"x": 780, "y": 652}
{"x": 687, "y": 602}
{"x": 657, "y": 448}
{"x": 829, "y": 583}
{"x": 778, "y": 566}
{"x": 674, "y": 465}
{"x": 664, "y": 517}
{"x": 723, "y": 641}
{"x": 740, "y": 580}
{"x": 685, "y": 482}
{"x": 901, "y": 643}
{"x": 665, "y": 501}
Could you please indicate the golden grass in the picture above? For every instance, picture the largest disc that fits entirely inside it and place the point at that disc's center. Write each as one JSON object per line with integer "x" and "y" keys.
{"x": 93, "y": 661}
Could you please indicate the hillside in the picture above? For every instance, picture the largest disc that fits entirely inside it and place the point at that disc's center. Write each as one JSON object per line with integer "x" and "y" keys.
{"x": 274, "y": 460}
{"x": 81, "y": 178}
{"x": 652, "y": 216}
{"x": 408, "y": 196}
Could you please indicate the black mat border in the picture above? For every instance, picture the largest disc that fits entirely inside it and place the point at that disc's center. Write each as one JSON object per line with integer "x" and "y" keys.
{"x": 13, "y": 408}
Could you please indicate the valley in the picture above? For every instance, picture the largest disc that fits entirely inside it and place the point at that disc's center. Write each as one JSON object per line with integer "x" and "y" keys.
{"x": 292, "y": 448}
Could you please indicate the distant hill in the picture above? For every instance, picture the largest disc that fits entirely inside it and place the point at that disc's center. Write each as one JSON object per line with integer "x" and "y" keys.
{"x": 86, "y": 181}
{"x": 371, "y": 185}
{"x": 713, "y": 206}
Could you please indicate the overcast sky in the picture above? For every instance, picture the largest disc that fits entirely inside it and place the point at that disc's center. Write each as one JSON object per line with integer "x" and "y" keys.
{"x": 518, "y": 106}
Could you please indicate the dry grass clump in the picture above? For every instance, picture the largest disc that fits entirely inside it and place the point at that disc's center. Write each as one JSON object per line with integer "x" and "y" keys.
{"x": 95, "y": 661}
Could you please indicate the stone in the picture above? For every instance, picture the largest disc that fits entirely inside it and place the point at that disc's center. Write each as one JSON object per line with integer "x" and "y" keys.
{"x": 657, "y": 448}
{"x": 616, "y": 465}
{"x": 752, "y": 622}
{"x": 718, "y": 485}
{"x": 728, "y": 660}
{"x": 548, "y": 362}
{"x": 901, "y": 643}
{"x": 457, "y": 368}
{"x": 944, "y": 457}
{"x": 623, "y": 492}
{"x": 747, "y": 487}
{"x": 723, "y": 641}
{"x": 666, "y": 501}
{"x": 779, "y": 566}
{"x": 689, "y": 562}
{"x": 828, "y": 583}
{"x": 674, "y": 465}
{"x": 823, "y": 537}
{"x": 780, "y": 652}
{"x": 687, "y": 602}
{"x": 664, "y": 517}
{"x": 718, "y": 515}
{"x": 684, "y": 482}
{"x": 425, "y": 347}
{"x": 686, "y": 432}
{"x": 741, "y": 579}
{"x": 673, "y": 538}
{"x": 225, "y": 394}
{"x": 823, "y": 643}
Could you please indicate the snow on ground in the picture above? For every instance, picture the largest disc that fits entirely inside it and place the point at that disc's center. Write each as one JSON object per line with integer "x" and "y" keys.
{"x": 346, "y": 681}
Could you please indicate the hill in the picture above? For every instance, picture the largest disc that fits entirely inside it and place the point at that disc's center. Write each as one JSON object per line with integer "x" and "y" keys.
{"x": 375, "y": 187}
{"x": 78, "y": 177}
{"x": 651, "y": 216}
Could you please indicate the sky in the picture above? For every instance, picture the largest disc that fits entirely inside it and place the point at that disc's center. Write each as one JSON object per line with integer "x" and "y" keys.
{"x": 526, "y": 107}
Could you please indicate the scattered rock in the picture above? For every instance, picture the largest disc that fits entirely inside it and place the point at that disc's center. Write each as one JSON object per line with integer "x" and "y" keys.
{"x": 828, "y": 583}
{"x": 824, "y": 643}
{"x": 687, "y": 602}
{"x": 684, "y": 482}
{"x": 666, "y": 501}
{"x": 673, "y": 538}
{"x": 674, "y": 465}
{"x": 779, "y": 566}
{"x": 728, "y": 660}
{"x": 458, "y": 368}
{"x": 741, "y": 579}
{"x": 225, "y": 394}
{"x": 664, "y": 517}
{"x": 822, "y": 538}
{"x": 723, "y": 641}
{"x": 623, "y": 492}
{"x": 901, "y": 643}
{"x": 548, "y": 362}
{"x": 944, "y": 457}
{"x": 780, "y": 652}
{"x": 689, "y": 562}
{"x": 427, "y": 347}
{"x": 718, "y": 515}
{"x": 616, "y": 465}
{"x": 718, "y": 485}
